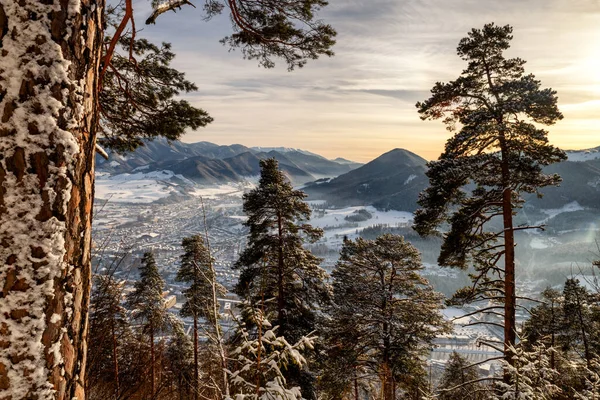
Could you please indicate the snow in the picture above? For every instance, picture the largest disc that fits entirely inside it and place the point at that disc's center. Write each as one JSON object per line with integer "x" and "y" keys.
{"x": 336, "y": 226}
{"x": 138, "y": 187}
{"x": 583, "y": 155}
{"x": 409, "y": 179}
{"x": 230, "y": 189}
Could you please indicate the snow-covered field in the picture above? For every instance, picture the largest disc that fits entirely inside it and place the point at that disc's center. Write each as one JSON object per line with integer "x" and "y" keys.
{"x": 335, "y": 225}
{"x": 146, "y": 187}
{"x": 139, "y": 187}
{"x": 583, "y": 155}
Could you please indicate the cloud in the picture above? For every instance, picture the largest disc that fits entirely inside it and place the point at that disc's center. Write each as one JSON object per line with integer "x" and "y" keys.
{"x": 389, "y": 54}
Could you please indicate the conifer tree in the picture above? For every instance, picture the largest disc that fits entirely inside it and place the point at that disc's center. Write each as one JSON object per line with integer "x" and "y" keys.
{"x": 387, "y": 308}
{"x": 196, "y": 269}
{"x": 546, "y": 321}
{"x": 180, "y": 356}
{"x": 577, "y": 319}
{"x": 530, "y": 376}
{"x": 259, "y": 363}
{"x": 499, "y": 150}
{"x": 275, "y": 265}
{"x": 109, "y": 333}
{"x": 459, "y": 380}
{"x": 148, "y": 308}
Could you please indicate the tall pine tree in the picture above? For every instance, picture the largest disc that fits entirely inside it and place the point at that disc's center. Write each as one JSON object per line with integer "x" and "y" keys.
{"x": 275, "y": 265}
{"x": 499, "y": 150}
{"x": 388, "y": 313}
{"x": 276, "y": 269}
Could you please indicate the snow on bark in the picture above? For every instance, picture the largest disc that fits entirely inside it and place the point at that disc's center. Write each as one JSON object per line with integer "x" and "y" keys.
{"x": 41, "y": 103}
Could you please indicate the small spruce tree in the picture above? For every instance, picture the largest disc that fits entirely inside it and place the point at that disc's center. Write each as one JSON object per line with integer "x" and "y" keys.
{"x": 196, "y": 270}
{"x": 148, "y": 308}
{"x": 459, "y": 380}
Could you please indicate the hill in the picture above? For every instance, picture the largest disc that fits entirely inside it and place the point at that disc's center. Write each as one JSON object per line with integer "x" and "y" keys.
{"x": 391, "y": 181}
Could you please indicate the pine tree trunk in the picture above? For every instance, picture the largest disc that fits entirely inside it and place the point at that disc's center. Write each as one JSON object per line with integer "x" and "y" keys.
{"x": 49, "y": 57}
{"x": 509, "y": 259}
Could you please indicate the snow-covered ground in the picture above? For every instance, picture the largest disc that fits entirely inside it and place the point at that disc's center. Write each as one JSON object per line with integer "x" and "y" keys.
{"x": 336, "y": 226}
{"x": 146, "y": 187}
{"x": 583, "y": 155}
{"x": 139, "y": 187}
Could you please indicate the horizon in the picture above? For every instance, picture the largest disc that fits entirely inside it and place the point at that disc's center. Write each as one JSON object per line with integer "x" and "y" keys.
{"x": 388, "y": 56}
{"x": 348, "y": 159}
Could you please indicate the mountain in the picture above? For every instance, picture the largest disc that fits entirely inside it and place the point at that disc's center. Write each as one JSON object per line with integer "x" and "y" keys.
{"x": 209, "y": 163}
{"x": 161, "y": 150}
{"x": 391, "y": 181}
{"x": 584, "y": 155}
{"x": 206, "y": 170}
{"x": 395, "y": 179}
{"x": 580, "y": 183}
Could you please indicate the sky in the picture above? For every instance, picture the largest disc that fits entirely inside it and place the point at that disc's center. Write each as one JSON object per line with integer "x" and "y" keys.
{"x": 389, "y": 53}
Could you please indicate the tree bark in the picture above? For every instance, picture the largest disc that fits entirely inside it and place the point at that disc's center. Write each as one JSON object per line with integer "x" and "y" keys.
{"x": 49, "y": 58}
{"x": 510, "y": 333}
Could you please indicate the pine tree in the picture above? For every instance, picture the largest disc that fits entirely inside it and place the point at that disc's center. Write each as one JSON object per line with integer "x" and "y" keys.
{"x": 500, "y": 151}
{"x": 275, "y": 265}
{"x": 387, "y": 309}
{"x": 530, "y": 376}
{"x": 577, "y": 319}
{"x": 138, "y": 97}
{"x": 460, "y": 380}
{"x": 196, "y": 269}
{"x": 546, "y": 321}
{"x": 148, "y": 308}
{"x": 180, "y": 356}
{"x": 50, "y": 79}
{"x": 109, "y": 332}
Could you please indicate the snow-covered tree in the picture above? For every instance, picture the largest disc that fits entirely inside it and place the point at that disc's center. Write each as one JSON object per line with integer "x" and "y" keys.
{"x": 460, "y": 381}
{"x": 385, "y": 313}
{"x": 530, "y": 376}
{"x": 500, "y": 151}
{"x": 258, "y": 362}
{"x": 53, "y": 64}
{"x": 148, "y": 308}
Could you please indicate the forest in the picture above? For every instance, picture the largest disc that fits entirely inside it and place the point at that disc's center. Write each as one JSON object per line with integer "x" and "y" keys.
{"x": 77, "y": 78}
